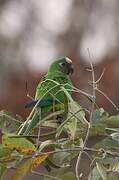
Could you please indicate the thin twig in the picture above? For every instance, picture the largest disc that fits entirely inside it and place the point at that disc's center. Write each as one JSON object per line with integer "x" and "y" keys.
{"x": 50, "y": 116}
{"x": 88, "y": 155}
{"x": 73, "y": 115}
{"x": 39, "y": 130}
{"x": 30, "y": 97}
{"x": 45, "y": 175}
{"x": 93, "y": 89}
{"x": 90, "y": 122}
{"x": 75, "y": 89}
{"x": 33, "y": 136}
{"x": 101, "y": 92}
{"x": 99, "y": 79}
{"x": 27, "y": 92}
{"x": 77, "y": 149}
{"x": 78, "y": 118}
{"x": 2, "y": 114}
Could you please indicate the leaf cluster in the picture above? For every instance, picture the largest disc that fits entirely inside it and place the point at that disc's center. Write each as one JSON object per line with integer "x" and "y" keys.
{"x": 58, "y": 147}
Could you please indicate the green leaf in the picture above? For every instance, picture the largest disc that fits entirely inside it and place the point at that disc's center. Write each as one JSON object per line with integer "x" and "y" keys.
{"x": 98, "y": 173}
{"x": 61, "y": 158}
{"x": 4, "y": 152}
{"x": 111, "y": 177}
{"x": 45, "y": 144}
{"x": 99, "y": 115}
{"x": 72, "y": 128}
{"x": 107, "y": 160}
{"x": 76, "y": 114}
{"x": 22, "y": 145}
{"x": 68, "y": 175}
{"x": 107, "y": 144}
{"x": 76, "y": 111}
{"x": 2, "y": 171}
{"x": 102, "y": 170}
{"x": 38, "y": 160}
{"x": 63, "y": 174}
{"x": 8, "y": 157}
{"x": 64, "y": 158}
{"x": 115, "y": 166}
{"x": 113, "y": 121}
{"x": 50, "y": 123}
{"x": 94, "y": 174}
{"x": 98, "y": 129}
{"x": 22, "y": 170}
{"x": 28, "y": 165}
{"x": 113, "y": 129}
{"x": 115, "y": 136}
{"x": 8, "y": 124}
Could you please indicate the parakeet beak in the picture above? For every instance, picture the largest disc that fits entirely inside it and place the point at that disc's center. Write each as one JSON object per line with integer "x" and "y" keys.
{"x": 70, "y": 69}
{"x": 70, "y": 66}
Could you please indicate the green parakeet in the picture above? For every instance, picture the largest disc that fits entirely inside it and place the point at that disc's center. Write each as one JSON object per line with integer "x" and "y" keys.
{"x": 49, "y": 94}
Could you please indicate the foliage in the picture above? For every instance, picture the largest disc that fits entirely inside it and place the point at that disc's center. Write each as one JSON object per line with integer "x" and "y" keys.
{"x": 60, "y": 150}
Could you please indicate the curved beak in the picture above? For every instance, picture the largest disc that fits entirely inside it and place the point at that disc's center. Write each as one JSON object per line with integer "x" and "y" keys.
{"x": 70, "y": 69}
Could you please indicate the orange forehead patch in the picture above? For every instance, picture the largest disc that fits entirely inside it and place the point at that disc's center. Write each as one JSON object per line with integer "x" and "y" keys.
{"x": 68, "y": 60}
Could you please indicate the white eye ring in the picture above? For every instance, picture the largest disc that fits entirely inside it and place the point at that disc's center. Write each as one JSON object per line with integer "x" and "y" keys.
{"x": 62, "y": 64}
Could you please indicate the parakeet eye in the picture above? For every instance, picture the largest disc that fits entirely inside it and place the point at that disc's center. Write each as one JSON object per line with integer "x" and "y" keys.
{"x": 62, "y": 64}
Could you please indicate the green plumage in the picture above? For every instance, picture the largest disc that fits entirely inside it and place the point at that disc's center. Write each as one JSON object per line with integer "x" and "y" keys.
{"x": 50, "y": 88}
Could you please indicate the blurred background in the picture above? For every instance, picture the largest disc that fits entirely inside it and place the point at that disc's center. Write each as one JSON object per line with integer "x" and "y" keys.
{"x": 33, "y": 33}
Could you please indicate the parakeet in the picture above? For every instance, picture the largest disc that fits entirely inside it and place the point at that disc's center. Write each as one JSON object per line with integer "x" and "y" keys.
{"x": 49, "y": 95}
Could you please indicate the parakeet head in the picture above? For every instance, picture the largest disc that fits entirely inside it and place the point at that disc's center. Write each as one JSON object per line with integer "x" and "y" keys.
{"x": 63, "y": 65}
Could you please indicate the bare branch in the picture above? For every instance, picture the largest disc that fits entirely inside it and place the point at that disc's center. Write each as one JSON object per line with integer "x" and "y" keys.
{"x": 90, "y": 120}
{"x": 45, "y": 175}
{"x": 79, "y": 148}
{"x": 27, "y": 92}
{"x": 101, "y": 92}
{"x": 99, "y": 79}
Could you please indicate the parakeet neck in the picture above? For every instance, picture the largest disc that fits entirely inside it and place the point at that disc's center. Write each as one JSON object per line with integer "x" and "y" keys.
{"x": 57, "y": 73}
